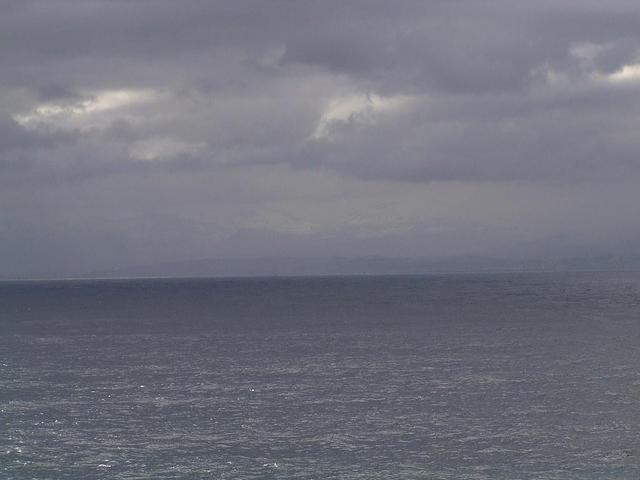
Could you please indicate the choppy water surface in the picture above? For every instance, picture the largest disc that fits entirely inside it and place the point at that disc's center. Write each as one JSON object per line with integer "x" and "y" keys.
{"x": 446, "y": 377}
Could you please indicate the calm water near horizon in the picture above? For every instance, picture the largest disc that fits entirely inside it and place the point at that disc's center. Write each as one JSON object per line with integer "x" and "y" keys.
{"x": 492, "y": 376}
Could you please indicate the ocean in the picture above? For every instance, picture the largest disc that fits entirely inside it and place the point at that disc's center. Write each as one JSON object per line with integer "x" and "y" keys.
{"x": 487, "y": 376}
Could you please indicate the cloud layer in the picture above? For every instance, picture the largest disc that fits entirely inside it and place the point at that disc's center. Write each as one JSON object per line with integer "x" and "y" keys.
{"x": 154, "y": 130}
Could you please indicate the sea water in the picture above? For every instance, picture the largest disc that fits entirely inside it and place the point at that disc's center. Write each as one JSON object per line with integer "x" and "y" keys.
{"x": 492, "y": 376}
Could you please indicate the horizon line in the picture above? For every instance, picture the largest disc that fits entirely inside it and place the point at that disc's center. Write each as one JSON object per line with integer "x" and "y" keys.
{"x": 314, "y": 275}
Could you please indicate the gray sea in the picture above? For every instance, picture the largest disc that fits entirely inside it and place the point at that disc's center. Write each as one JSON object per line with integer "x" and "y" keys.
{"x": 492, "y": 376}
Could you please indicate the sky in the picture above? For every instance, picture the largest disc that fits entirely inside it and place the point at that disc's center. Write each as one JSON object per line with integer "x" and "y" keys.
{"x": 148, "y": 131}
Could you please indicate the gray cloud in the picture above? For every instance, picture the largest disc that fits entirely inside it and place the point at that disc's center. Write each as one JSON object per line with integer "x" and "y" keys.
{"x": 150, "y": 131}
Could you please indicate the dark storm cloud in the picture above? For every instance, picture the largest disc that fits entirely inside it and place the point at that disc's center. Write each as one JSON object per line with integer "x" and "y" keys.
{"x": 464, "y": 46}
{"x": 13, "y": 136}
{"x": 471, "y": 57}
{"x": 129, "y": 104}
{"x": 20, "y": 147}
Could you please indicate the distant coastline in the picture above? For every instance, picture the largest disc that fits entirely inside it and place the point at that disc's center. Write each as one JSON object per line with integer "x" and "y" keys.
{"x": 344, "y": 266}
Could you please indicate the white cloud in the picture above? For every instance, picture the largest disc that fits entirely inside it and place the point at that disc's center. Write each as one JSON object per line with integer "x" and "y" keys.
{"x": 84, "y": 113}
{"x": 359, "y": 108}
{"x": 586, "y": 51}
{"x": 627, "y": 74}
{"x": 159, "y": 148}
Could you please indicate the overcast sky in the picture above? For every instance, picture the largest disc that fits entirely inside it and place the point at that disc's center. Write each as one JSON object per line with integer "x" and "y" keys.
{"x": 135, "y": 132}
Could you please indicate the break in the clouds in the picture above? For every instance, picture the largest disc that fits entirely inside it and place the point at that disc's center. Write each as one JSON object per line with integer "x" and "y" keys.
{"x": 149, "y": 131}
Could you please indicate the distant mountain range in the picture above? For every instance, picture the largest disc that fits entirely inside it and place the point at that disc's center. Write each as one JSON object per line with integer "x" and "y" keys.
{"x": 369, "y": 265}
{"x": 294, "y": 266}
